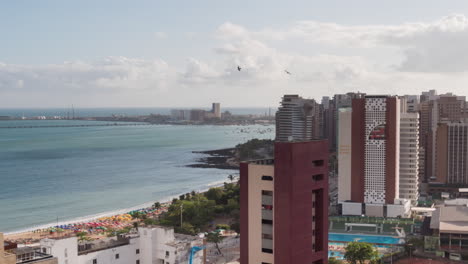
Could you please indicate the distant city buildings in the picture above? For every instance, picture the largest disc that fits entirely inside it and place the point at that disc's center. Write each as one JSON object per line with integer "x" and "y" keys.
{"x": 196, "y": 115}
{"x": 284, "y": 201}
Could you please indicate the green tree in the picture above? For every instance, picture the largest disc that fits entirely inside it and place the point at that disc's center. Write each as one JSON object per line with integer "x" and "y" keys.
{"x": 223, "y": 226}
{"x": 215, "y": 238}
{"x": 236, "y": 226}
{"x": 359, "y": 252}
{"x": 214, "y": 194}
{"x": 231, "y": 177}
{"x": 150, "y": 221}
{"x": 82, "y": 236}
{"x": 135, "y": 225}
{"x": 157, "y": 205}
{"x": 412, "y": 244}
{"x": 333, "y": 260}
{"x": 187, "y": 228}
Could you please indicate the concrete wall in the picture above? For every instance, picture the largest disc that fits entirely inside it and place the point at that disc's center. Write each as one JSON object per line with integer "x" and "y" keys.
{"x": 65, "y": 250}
{"x": 349, "y": 208}
{"x": 344, "y": 154}
{"x": 376, "y": 210}
{"x": 255, "y": 187}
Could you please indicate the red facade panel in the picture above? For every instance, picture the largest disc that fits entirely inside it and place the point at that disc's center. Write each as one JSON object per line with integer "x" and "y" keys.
{"x": 358, "y": 150}
{"x": 390, "y": 152}
{"x": 293, "y": 216}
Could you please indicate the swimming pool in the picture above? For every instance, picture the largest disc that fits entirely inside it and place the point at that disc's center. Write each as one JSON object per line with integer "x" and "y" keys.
{"x": 364, "y": 238}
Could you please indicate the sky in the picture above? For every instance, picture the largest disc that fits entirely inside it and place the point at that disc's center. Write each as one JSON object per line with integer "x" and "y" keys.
{"x": 143, "y": 53}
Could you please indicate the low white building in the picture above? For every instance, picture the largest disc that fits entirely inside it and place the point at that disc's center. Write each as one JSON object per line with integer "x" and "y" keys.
{"x": 400, "y": 208}
{"x": 158, "y": 245}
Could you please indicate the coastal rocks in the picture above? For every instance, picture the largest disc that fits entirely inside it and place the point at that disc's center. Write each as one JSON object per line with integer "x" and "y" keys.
{"x": 217, "y": 159}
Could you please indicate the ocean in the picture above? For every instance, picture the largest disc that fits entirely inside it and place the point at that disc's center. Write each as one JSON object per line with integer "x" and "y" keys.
{"x": 53, "y": 175}
{"x": 98, "y": 112}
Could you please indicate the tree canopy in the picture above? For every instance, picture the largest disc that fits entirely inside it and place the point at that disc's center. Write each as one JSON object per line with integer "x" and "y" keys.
{"x": 359, "y": 252}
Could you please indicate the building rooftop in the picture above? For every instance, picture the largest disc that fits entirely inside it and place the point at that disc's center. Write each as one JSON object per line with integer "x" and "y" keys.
{"x": 450, "y": 219}
{"x": 29, "y": 255}
{"x": 102, "y": 244}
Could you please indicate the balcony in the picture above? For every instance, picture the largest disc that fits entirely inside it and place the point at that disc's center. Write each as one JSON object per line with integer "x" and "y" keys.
{"x": 267, "y": 229}
{"x": 267, "y": 200}
{"x": 267, "y": 243}
{"x": 267, "y": 214}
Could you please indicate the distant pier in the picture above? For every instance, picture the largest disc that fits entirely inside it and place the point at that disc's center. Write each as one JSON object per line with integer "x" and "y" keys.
{"x": 82, "y": 125}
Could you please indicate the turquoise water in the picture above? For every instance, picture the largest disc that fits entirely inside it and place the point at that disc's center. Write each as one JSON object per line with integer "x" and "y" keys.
{"x": 66, "y": 173}
{"x": 363, "y": 238}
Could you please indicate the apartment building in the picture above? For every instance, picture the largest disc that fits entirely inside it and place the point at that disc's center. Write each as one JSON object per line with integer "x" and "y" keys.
{"x": 369, "y": 158}
{"x": 284, "y": 205}
{"x": 409, "y": 157}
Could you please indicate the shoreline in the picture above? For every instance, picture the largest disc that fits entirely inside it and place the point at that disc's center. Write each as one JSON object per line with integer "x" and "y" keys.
{"x": 89, "y": 218}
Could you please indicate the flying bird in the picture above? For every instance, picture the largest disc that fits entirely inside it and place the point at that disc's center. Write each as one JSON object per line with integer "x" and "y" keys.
{"x": 287, "y": 72}
{"x": 239, "y": 68}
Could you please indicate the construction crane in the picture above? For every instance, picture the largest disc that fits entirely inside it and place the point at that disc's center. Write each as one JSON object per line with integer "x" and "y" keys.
{"x": 193, "y": 251}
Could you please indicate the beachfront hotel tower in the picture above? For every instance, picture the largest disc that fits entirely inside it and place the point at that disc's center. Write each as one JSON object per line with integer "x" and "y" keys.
{"x": 297, "y": 119}
{"x": 284, "y": 200}
{"x": 369, "y": 158}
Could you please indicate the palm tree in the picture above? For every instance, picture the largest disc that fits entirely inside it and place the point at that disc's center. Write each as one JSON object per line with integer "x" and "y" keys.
{"x": 157, "y": 205}
{"x": 231, "y": 177}
{"x": 216, "y": 238}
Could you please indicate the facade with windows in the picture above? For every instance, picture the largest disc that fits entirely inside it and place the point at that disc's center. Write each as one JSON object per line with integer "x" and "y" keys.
{"x": 284, "y": 205}
{"x": 409, "y": 156}
{"x": 369, "y": 158}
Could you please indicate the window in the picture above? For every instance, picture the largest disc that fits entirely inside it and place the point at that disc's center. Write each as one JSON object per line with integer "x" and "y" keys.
{"x": 138, "y": 251}
{"x": 269, "y": 222}
{"x": 267, "y": 178}
{"x": 267, "y": 250}
{"x": 94, "y": 261}
{"x": 317, "y": 177}
{"x": 167, "y": 253}
{"x": 117, "y": 256}
{"x": 318, "y": 163}
{"x": 137, "y": 261}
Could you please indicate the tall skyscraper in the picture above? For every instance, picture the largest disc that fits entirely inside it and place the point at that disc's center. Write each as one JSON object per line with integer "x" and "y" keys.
{"x": 369, "y": 157}
{"x": 434, "y": 110}
{"x": 284, "y": 201}
{"x": 216, "y": 110}
{"x": 297, "y": 119}
{"x": 409, "y": 156}
{"x": 452, "y": 154}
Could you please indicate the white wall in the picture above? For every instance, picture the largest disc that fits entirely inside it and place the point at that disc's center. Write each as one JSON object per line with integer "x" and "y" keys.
{"x": 402, "y": 208}
{"x": 65, "y": 250}
{"x": 349, "y": 208}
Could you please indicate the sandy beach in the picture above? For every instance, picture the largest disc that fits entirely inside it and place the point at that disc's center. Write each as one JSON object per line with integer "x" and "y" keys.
{"x": 95, "y": 226}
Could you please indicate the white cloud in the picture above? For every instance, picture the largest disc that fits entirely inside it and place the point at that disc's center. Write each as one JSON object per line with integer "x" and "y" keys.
{"x": 344, "y": 58}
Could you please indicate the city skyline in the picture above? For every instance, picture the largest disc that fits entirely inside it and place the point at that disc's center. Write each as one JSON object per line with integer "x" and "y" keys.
{"x": 155, "y": 54}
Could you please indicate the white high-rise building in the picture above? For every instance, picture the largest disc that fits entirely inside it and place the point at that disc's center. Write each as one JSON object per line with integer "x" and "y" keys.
{"x": 409, "y": 156}
{"x": 296, "y": 119}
